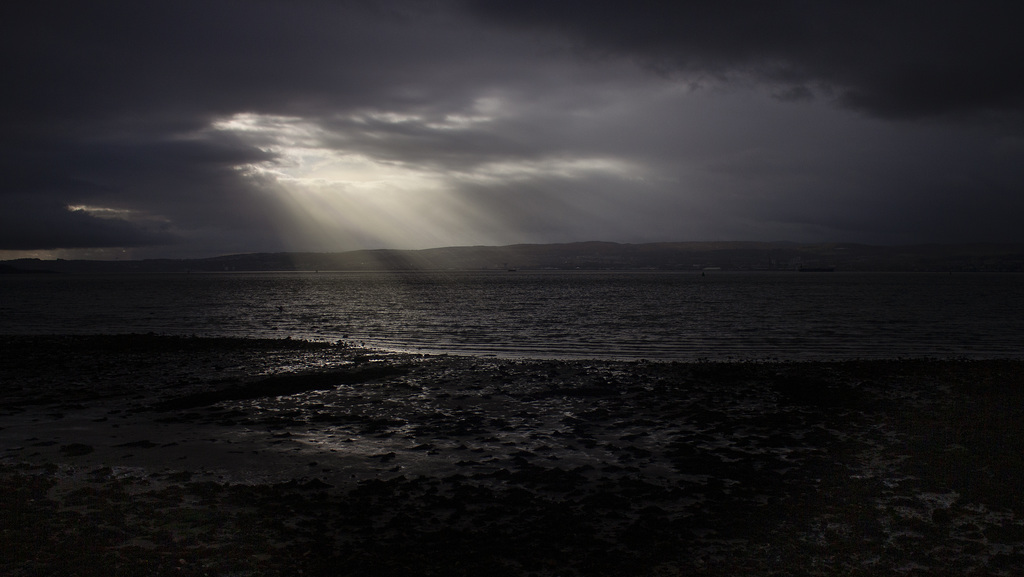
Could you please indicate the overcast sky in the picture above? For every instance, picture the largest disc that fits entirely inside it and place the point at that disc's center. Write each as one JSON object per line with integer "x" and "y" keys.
{"x": 198, "y": 128}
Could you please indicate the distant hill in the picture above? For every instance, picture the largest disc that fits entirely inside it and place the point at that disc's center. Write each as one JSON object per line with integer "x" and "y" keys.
{"x": 674, "y": 256}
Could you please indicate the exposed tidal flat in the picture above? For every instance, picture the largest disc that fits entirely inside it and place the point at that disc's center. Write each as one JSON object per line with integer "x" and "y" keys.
{"x": 159, "y": 455}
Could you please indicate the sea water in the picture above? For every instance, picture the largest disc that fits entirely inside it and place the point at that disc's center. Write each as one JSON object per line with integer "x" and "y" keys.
{"x": 550, "y": 314}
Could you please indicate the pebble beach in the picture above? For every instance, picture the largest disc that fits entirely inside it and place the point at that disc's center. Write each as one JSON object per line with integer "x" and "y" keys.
{"x": 158, "y": 455}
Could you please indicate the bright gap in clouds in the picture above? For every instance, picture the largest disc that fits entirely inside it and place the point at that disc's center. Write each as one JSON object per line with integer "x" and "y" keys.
{"x": 105, "y": 212}
{"x": 337, "y": 196}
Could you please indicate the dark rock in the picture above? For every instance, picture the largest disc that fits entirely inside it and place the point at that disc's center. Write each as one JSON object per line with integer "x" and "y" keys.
{"x": 76, "y": 449}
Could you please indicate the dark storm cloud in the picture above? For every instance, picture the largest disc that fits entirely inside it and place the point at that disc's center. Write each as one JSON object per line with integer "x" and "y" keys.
{"x": 107, "y": 103}
{"x": 546, "y": 121}
{"x": 27, "y": 224}
{"x": 185, "y": 62}
{"x": 889, "y": 59}
{"x": 142, "y": 183}
{"x": 110, "y": 104}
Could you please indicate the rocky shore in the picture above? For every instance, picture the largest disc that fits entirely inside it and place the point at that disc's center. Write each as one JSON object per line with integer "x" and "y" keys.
{"x": 150, "y": 455}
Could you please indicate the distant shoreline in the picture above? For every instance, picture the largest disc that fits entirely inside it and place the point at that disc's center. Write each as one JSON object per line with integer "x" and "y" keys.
{"x": 677, "y": 256}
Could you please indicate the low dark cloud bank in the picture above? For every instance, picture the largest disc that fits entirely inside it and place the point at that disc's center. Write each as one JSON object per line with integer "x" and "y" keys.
{"x": 888, "y": 59}
{"x": 518, "y": 121}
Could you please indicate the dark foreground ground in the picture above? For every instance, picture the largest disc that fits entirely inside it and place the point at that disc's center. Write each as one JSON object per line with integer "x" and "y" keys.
{"x": 142, "y": 455}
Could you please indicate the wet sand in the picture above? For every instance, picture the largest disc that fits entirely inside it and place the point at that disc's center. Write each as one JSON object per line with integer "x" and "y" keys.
{"x": 145, "y": 455}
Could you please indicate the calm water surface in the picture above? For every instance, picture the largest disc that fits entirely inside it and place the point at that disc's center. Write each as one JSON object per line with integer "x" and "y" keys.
{"x": 669, "y": 316}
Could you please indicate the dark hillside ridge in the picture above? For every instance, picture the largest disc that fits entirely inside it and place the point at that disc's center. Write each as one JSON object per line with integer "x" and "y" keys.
{"x": 669, "y": 256}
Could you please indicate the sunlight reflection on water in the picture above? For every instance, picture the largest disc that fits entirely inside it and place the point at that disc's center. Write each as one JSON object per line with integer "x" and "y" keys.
{"x": 669, "y": 316}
